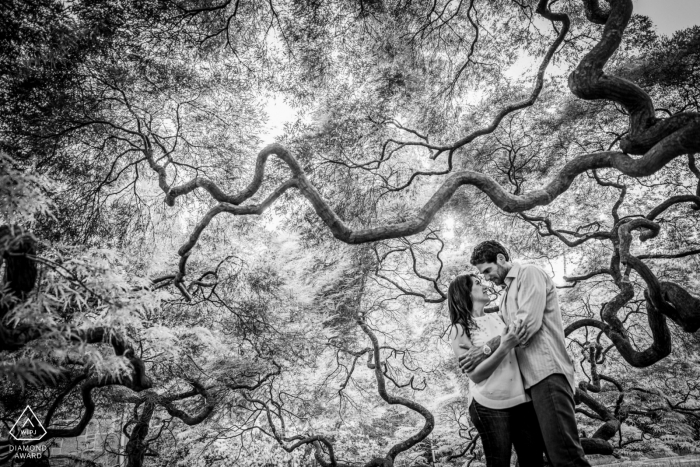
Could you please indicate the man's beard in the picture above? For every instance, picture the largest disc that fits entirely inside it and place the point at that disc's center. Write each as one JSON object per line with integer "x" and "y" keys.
{"x": 502, "y": 273}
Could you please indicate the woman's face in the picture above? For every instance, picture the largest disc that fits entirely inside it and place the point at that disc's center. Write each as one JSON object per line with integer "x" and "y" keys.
{"x": 478, "y": 291}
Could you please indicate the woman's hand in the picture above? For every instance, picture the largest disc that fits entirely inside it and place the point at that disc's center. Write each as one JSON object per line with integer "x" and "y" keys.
{"x": 513, "y": 335}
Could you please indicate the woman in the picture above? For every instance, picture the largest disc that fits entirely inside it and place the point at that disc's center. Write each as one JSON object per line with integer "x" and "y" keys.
{"x": 499, "y": 406}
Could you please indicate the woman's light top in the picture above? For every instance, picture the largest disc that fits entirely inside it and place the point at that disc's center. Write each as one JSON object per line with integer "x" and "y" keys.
{"x": 504, "y": 388}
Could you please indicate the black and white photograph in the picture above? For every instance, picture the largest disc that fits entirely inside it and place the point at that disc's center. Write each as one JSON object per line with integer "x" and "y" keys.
{"x": 350, "y": 233}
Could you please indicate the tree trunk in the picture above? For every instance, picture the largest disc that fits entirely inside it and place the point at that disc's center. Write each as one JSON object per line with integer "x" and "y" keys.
{"x": 137, "y": 445}
{"x": 20, "y": 271}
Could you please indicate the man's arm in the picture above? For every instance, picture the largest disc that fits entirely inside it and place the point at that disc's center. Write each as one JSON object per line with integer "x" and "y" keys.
{"x": 475, "y": 355}
{"x": 532, "y": 299}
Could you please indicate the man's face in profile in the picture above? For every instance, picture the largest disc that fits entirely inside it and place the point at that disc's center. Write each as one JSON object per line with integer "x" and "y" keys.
{"x": 494, "y": 272}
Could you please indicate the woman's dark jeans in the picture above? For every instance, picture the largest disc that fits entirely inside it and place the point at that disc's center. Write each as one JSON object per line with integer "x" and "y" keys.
{"x": 500, "y": 429}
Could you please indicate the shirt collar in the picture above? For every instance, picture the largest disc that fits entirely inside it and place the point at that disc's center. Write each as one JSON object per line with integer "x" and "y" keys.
{"x": 513, "y": 273}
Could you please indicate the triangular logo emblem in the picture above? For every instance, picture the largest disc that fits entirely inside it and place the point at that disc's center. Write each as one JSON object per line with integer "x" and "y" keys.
{"x": 28, "y": 427}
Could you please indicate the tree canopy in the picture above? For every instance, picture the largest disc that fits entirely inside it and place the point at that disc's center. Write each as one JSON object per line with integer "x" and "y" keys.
{"x": 231, "y": 292}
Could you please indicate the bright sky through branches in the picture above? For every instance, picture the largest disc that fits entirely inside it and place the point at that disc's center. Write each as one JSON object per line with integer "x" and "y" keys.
{"x": 668, "y": 16}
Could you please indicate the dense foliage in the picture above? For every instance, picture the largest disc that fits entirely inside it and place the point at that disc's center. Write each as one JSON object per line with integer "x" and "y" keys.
{"x": 226, "y": 301}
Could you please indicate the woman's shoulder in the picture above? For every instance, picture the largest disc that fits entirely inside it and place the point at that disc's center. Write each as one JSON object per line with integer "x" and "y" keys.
{"x": 456, "y": 330}
{"x": 459, "y": 339}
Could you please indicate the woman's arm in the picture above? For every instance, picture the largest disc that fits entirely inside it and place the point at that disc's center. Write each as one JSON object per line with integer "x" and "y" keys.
{"x": 459, "y": 341}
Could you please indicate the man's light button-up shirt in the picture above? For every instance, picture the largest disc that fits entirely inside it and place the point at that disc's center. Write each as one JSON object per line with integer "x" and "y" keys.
{"x": 531, "y": 296}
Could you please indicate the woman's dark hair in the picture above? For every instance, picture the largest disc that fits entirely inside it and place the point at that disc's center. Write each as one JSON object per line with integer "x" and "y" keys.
{"x": 486, "y": 252}
{"x": 459, "y": 303}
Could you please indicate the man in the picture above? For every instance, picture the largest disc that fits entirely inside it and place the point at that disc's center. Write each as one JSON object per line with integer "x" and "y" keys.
{"x": 547, "y": 370}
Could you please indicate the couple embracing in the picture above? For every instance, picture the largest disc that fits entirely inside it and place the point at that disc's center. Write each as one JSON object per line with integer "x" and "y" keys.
{"x": 521, "y": 386}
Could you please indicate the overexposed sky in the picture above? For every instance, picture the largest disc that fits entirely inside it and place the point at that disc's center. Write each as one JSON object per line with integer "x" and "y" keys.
{"x": 279, "y": 113}
{"x": 670, "y": 15}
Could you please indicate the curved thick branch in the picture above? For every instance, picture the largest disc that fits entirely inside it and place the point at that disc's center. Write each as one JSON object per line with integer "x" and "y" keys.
{"x": 614, "y": 328}
{"x": 625, "y": 235}
{"x": 588, "y": 81}
{"x": 661, "y": 335}
{"x": 184, "y": 416}
{"x": 658, "y": 210}
{"x": 658, "y": 141}
{"x": 654, "y": 160}
{"x": 594, "y": 12}
{"x": 391, "y": 399}
{"x": 137, "y": 445}
{"x": 588, "y": 275}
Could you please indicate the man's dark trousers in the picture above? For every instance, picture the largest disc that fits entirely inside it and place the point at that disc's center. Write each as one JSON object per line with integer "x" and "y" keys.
{"x": 554, "y": 405}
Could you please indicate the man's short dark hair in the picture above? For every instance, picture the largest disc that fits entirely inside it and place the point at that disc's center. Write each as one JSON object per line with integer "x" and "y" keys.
{"x": 486, "y": 252}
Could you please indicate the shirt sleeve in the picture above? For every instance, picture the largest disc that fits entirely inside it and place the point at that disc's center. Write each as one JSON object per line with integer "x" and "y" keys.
{"x": 532, "y": 299}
